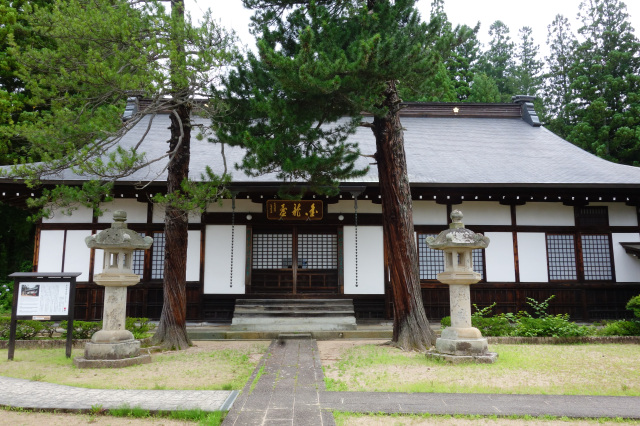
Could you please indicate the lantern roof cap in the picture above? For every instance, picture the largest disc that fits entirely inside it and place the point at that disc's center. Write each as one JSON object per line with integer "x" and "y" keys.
{"x": 118, "y": 236}
{"x": 457, "y": 236}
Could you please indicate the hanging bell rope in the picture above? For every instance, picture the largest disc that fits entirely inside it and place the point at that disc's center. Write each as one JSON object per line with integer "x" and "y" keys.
{"x": 355, "y": 208}
{"x": 233, "y": 231}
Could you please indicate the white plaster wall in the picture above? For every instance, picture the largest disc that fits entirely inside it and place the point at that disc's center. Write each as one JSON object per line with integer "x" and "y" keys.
{"x": 499, "y": 257}
{"x": 484, "y": 213}
{"x": 217, "y": 266}
{"x": 77, "y": 255}
{"x": 81, "y": 215}
{"x": 627, "y": 266}
{"x": 429, "y": 213}
{"x": 98, "y": 262}
{"x": 158, "y": 214}
{"x": 136, "y": 211}
{"x": 193, "y": 256}
{"x": 532, "y": 256}
{"x": 370, "y": 260}
{"x": 50, "y": 252}
{"x": 347, "y": 206}
{"x": 620, "y": 214}
{"x": 242, "y": 205}
{"x": 554, "y": 214}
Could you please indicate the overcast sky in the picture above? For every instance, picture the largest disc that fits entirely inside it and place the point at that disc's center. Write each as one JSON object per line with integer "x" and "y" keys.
{"x": 515, "y": 14}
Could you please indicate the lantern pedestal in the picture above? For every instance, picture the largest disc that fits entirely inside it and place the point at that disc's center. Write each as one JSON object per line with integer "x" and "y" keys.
{"x": 114, "y": 346}
{"x": 461, "y": 342}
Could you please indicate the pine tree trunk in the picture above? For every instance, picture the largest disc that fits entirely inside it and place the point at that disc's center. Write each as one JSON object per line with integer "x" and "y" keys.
{"x": 411, "y": 330}
{"x": 172, "y": 330}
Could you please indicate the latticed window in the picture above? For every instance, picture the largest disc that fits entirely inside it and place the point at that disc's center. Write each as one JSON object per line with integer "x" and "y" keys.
{"x": 318, "y": 251}
{"x": 272, "y": 251}
{"x": 157, "y": 256}
{"x": 592, "y": 216}
{"x": 477, "y": 256}
{"x": 432, "y": 261}
{"x": 596, "y": 257}
{"x": 137, "y": 261}
{"x": 561, "y": 253}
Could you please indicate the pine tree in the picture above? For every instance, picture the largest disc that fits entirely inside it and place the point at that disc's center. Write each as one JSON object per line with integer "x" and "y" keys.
{"x": 527, "y": 78}
{"x": 498, "y": 61}
{"x": 605, "y": 83}
{"x": 558, "y": 92}
{"x": 322, "y": 61}
{"x": 14, "y": 29}
{"x": 463, "y": 62}
{"x": 105, "y": 51}
{"x": 484, "y": 89}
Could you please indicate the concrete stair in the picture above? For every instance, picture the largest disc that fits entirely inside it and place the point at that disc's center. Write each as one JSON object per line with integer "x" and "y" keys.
{"x": 293, "y": 315}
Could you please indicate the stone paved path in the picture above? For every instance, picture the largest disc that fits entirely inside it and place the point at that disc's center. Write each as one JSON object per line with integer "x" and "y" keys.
{"x": 285, "y": 388}
{"x": 49, "y": 396}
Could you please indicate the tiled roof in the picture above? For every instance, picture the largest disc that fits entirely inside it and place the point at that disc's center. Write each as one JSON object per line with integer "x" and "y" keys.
{"x": 442, "y": 149}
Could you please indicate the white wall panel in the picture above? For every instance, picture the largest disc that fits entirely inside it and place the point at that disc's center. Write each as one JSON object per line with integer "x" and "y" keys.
{"x": 620, "y": 214}
{"x": 499, "y": 257}
{"x": 540, "y": 214}
{"x": 77, "y": 255}
{"x": 158, "y": 214}
{"x": 136, "y": 211}
{"x": 429, "y": 213}
{"x": 193, "y": 256}
{"x": 532, "y": 257}
{"x": 627, "y": 266}
{"x": 81, "y": 215}
{"x": 217, "y": 264}
{"x": 242, "y": 206}
{"x": 484, "y": 213}
{"x": 50, "y": 251}
{"x": 347, "y": 206}
{"x": 370, "y": 260}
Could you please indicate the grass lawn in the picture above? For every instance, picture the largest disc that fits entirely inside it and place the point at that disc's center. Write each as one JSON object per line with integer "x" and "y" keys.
{"x": 352, "y": 419}
{"x": 520, "y": 369}
{"x": 215, "y": 365}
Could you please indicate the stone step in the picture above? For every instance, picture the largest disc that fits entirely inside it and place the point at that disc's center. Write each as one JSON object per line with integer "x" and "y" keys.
{"x": 293, "y": 315}
{"x": 294, "y": 336}
{"x": 299, "y": 302}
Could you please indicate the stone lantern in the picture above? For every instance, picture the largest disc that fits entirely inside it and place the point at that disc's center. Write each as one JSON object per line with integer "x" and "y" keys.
{"x": 461, "y": 341}
{"x": 114, "y": 345}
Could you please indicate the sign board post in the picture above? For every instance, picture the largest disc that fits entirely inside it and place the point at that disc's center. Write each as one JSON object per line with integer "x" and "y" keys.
{"x": 42, "y": 297}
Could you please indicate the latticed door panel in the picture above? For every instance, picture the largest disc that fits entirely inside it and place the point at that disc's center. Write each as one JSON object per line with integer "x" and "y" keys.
{"x": 294, "y": 263}
{"x": 272, "y": 270}
{"x": 317, "y": 263}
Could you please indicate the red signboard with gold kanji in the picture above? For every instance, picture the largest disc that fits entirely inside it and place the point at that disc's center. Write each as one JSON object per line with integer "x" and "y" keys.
{"x": 294, "y": 210}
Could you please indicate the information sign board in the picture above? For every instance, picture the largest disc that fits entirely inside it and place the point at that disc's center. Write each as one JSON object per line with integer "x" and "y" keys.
{"x": 39, "y": 300}
{"x": 43, "y": 297}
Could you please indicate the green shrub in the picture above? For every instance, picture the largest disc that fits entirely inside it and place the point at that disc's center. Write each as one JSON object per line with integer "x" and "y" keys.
{"x": 497, "y": 325}
{"x": 620, "y": 328}
{"x": 634, "y": 305}
{"x": 539, "y": 308}
{"x": 139, "y": 327}
{"x": 81, "y": 329}
{"x": 26, "y": 329}
{"x": 6, "y": 296}
{"x": 549, "y": 326}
